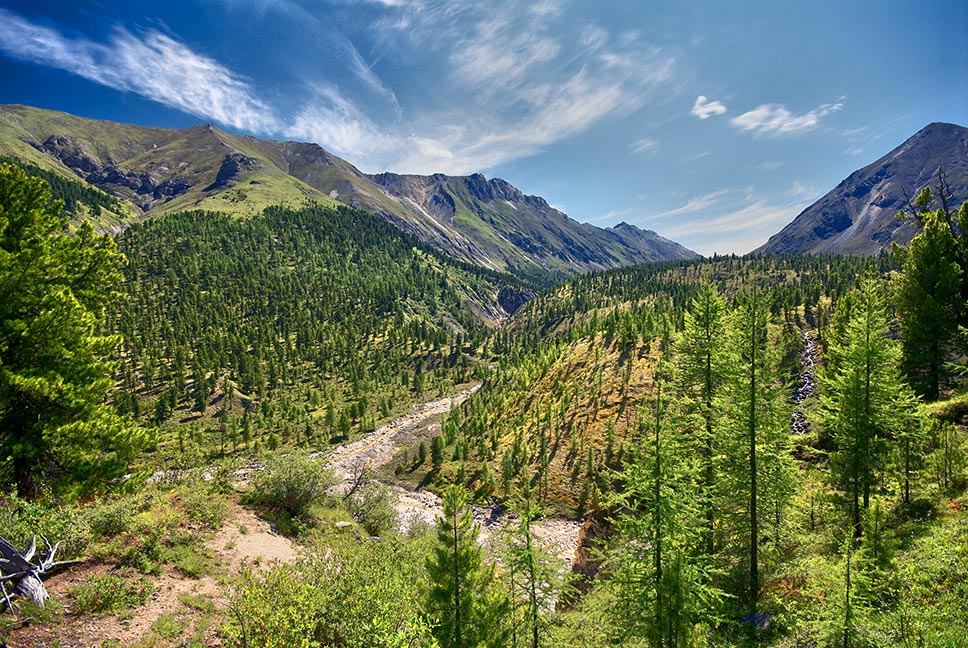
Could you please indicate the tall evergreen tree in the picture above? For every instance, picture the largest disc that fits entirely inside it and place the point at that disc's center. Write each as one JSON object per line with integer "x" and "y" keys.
{"x": 928, "y": 297}
{"x": 54, "y": 370}
{"x": 701, "y": 373}
{"x": 863, "y": 398}
{"x": 467, "y": 610}
{"x": 662, "y": 590}
{"x": 757, "y": 454}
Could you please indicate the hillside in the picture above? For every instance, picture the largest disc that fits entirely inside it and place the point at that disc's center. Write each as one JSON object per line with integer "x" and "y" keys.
{"x": 859, "y": 215}
{"x": 159, "y": 171}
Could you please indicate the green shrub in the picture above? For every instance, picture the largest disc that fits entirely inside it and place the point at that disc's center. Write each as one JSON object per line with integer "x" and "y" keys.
{"x": 167, "y": 626}
{"x": 290, "y": 483}
{"x": 21, "y": 520}
{"x": 110, "y": 593}
{"x": 373, "y": 506}
{"x": 357, "y": 595}
{"x": 204, "y": 506}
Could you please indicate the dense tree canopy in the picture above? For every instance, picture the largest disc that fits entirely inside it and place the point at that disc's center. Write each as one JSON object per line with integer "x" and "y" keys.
{"x": 54, "y": 372}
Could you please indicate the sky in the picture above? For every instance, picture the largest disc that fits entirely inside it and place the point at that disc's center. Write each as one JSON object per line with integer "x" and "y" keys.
{"x": 712, "y": 123}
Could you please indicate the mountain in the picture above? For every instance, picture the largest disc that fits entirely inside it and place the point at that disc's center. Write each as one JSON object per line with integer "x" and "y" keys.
{"x": 488, "y": 223}
{"x": 859, "y": 215}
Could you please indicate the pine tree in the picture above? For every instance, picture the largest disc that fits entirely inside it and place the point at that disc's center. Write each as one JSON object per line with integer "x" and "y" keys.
{"x": 466, "y": 609}
{"x": 54, "y": 369}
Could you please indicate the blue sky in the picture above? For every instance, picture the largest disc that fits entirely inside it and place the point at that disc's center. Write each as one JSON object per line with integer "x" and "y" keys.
{"x": 713, "y": 123}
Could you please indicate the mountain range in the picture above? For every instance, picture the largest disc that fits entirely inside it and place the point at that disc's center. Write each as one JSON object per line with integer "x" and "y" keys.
{"x": 486, "y": 222}
{"x": 859, "y": 216}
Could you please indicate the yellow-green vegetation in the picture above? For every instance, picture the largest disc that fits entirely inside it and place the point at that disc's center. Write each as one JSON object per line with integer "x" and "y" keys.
{"x": 657, "y": 400}
{"x": 110, "y": 593}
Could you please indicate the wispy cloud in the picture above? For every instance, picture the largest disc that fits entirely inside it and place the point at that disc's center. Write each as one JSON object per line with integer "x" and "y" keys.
{"x": 153, "y": 65}
{"x": 698, "y": 204}
{"x": 516, "y": 83}
{"x": 739, "y": 230}
{"x": 646, "y": 146}
{"x": 770, "y": 165}
{"x": 729, "y": 220}
{"x": 777, "y": 119}
{"x": 704, "y": 108}
{"x": 517, "y": 80}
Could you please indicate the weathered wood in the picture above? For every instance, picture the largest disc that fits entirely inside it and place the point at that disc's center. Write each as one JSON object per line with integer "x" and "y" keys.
{"x": 25, "y": 576}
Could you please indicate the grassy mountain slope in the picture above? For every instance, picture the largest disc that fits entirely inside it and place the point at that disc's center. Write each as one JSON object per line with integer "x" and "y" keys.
{"x": 486, "y": 222}
{"x": 155, "y": 170}
{"x": 578, "y": 360}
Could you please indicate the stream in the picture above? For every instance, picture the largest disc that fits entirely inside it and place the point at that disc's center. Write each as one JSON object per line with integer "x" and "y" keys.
{"x": 558, "y": 535}
{"x": 806, "y": 384}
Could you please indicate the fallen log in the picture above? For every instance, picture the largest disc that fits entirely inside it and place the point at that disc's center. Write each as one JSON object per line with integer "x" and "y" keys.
{"x": 19, "y": 577}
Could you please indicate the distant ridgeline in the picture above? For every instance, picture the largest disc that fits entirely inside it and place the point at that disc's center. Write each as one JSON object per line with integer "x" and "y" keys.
{"x": 72, "y": 192}
{"x": 332, "y": 308}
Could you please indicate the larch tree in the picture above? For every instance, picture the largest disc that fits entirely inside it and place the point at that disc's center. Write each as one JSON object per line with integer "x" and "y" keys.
{"x": 757, "y": 460}
{"x": 662, "y": 591}
{"x": 864, "y": 400}
{"x": 55, "y": 368}
{"x": 928, "y": 296}
{"x": 701, "y": 373}
{"x": 466, "y": 609}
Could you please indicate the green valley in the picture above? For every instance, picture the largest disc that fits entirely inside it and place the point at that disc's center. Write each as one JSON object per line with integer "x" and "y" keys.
{"x": 255, "y": 415}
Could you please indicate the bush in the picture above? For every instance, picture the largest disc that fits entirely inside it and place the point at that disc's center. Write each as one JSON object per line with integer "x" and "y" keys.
{"x": 357, "y": 595}
{"x": 373, "y": 506}
{"x": 290, "y": 483}
{"x": 22, "y": 519}
{"x": 110, "y": 593}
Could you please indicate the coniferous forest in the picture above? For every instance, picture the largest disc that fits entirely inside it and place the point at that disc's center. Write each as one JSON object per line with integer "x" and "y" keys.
{"x": 761, "y": 450}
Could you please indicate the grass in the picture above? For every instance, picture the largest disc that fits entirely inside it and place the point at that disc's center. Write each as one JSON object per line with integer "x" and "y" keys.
{"x": 169, "y": 626}
{"x": 110, "y": 593}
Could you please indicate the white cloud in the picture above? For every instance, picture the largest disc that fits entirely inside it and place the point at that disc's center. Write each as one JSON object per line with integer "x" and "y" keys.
{"x": 514, "y": 79}
{"x": 854, "y": 150}
{"x": 737, "y": 231}
{"x": 155, "y": 66}
{"x": 517, "y": 83}
{"x": 704, "y": 109}
{"x": 801, "y": 191}
{"x": 645, "y": 146}
{"x": 776, "y": 119}
{"x": 770, "y": 165}
{"x": 729, "y": 220}
{"x": 693, "y": 205}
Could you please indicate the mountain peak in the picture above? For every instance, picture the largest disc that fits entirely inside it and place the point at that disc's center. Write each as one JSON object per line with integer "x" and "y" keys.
{"x": 486, "y": 222}
{"x": 858, "y": 215}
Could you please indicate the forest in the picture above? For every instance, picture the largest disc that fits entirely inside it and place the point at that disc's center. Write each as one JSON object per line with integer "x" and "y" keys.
{"x": 759, "y": 450}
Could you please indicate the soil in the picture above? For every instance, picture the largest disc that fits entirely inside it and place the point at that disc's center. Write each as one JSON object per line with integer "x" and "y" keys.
{"x": 243, "y": 540}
